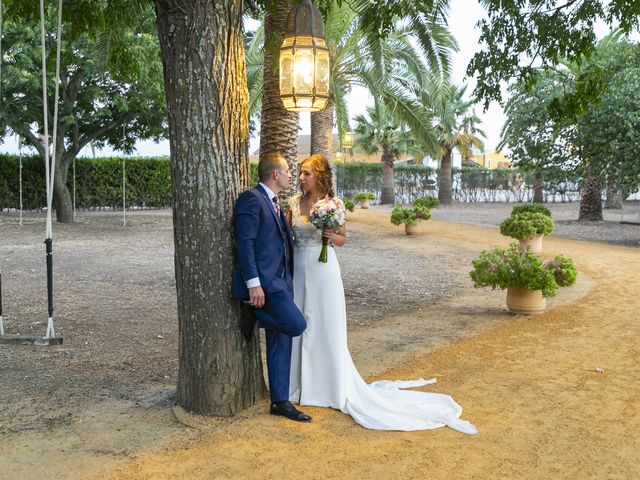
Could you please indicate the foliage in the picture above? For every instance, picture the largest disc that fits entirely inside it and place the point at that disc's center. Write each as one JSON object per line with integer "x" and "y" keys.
{"x": 98, "y": 182}
{"x": 469, "y": 184}
{"x": 362, "y": 196}
{"x": 349, "y": 205}
{"x": 531, "y": 208}
{"x": 563, "y": 270}
{"x": 400, "y": 215}
{"x": 524, "y": 225}
{"x": 511, "y": 267}
{"x": 518, "y": 34}
{"x": 423, "y": 213}
{"x": 428, "y": 202}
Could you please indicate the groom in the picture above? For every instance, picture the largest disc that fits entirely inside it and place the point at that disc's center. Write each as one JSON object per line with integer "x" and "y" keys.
{"x": 263, "y": 277}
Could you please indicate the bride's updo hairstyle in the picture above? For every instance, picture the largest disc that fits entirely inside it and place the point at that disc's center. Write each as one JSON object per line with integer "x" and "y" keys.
{"x": 321, "y": 168}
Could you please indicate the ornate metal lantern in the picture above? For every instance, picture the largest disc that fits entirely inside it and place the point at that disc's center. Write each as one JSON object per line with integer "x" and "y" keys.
{"x": 304, "y": 61}
{"x": 348, "y": 140}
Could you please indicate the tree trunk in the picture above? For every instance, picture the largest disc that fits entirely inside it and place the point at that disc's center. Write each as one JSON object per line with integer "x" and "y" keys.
{"x": 62, "y": 200}
{"x": 444, "y": 179}
{"x": 591, "y": 199}
{"x": 322, "y": 131}
{"x": 322, "y": 138}
{"x": 538, "y": 190}
{"x": 388, "y": 187}
{"x": 202, "y": 49}
{"x": 614, "y": 194}
{"x": 278, "y": 127}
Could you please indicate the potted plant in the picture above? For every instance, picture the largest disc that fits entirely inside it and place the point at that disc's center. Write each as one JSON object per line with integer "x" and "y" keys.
{"x": 528, "y": 228}
{"x": 526, "y": 278}
{"x": 400, "y": 215}
{"x": 421, "y": 204}
{"x": 409, "y": 217}
{"x": 364, "y": 198}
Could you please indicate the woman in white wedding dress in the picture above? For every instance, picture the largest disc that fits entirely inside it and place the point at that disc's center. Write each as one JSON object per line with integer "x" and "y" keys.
{"x": 322, "y": 371}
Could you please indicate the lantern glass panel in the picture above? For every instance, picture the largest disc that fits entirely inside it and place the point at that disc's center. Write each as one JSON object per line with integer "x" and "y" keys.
{"x": 303, "y": 71}
{"x": 322, "y": 72}
{"x": 286, "y": 72}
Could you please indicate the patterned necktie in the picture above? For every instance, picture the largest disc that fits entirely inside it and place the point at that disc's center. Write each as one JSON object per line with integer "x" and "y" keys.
{"x": 276, "y": 205}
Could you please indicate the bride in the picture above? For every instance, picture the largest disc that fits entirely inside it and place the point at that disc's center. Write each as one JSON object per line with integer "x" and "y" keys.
{"x": 322, "y": 371}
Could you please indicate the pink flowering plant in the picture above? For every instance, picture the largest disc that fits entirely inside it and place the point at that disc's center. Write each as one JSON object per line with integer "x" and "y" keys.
{"x": 327, "y": 213}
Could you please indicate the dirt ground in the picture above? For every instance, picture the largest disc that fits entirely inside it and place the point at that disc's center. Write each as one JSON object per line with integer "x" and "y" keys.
{"x": 100, "y": 405}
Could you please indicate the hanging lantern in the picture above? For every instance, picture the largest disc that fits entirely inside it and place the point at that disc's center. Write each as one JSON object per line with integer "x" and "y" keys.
{"x": 348, "y": 140}
{"x": 304, "y": 61}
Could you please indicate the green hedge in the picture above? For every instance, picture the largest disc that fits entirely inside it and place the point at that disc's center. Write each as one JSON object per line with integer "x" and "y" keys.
{"x": 469, "y": 184}
{"x": 98, "y": 182}
{"x": 148, "y": 182}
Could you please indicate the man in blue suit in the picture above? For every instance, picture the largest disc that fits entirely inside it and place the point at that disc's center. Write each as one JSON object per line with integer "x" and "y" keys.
{"x": 263, "y": 277}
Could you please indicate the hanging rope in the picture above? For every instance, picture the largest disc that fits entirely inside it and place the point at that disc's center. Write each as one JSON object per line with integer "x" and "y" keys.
{"x": 50, "y": 168}
{"x": 74, "y": 189}
{"x": 124, "y": 186}
{"x": 20, "y": 161}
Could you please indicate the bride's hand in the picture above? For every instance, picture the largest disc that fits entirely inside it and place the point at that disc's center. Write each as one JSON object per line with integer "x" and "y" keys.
{"x": 336, "y": 238}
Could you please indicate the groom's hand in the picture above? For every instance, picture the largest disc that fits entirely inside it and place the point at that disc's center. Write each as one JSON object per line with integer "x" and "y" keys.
{"x": 256, "y": 297}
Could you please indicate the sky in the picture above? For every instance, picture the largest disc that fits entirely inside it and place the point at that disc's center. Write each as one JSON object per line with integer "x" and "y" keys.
{"x": 463, "y": 16}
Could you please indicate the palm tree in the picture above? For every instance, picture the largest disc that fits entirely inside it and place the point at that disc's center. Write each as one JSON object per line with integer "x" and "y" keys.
{"x": 278, "y": 127}
{"x": 457, "y": 129}
{"x": 381, "y": 132}
{"x": 391, "y": 68}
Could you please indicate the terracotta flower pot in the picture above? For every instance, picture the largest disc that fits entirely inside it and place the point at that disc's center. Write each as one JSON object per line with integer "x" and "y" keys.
{"x": 521, "y": 300}
{"x": 410, "y": 229}
{"x": 534, "y": 243}
{"x": 364, "y": 203}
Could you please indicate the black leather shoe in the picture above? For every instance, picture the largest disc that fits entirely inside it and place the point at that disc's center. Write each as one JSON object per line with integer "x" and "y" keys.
{"x": 247, "y": 320}
{"x": 285, "y": 409}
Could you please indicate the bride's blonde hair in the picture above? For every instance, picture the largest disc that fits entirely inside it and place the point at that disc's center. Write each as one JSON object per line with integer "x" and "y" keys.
{"x": 321, "y": 168}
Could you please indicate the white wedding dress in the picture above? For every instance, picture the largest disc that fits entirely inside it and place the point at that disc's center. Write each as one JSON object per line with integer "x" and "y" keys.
{"x": 322, "y": 371}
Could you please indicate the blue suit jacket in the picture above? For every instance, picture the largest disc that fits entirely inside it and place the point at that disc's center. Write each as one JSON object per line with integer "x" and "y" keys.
{"x": 259, "y": 242}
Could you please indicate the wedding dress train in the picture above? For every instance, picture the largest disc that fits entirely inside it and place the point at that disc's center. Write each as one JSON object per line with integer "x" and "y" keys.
{"x": 322, "y": 371}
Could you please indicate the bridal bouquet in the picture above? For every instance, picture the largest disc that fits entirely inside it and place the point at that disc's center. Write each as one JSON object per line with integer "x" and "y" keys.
{"x": 327, "y": 213}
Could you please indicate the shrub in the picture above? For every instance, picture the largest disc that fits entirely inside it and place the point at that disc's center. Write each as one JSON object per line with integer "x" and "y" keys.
{"x": 426, "y": 202}
{"x": 563, "y": 270}
{"x": 361, "y": 196}
{"x": 423, "y": 213}
{"x": 524, "y": 225}
{"x": 400, "y": 215}
{"x": 531, "y": 208}
{"x": 504, "y": 268}
{"x": 348, "y": 204}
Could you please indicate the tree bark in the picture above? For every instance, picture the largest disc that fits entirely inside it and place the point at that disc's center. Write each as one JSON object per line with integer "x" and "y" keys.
{"x": 388, "y": 186}
{"x": 538, "y": 190}
{"x": 322, "y": 138}
{"x": 444, "y": 179}
{"x": 278, "y": 127}
{"x": 204, "y": 72}
{"x": 591, "y": 199}
{"x": 614, "y": 194}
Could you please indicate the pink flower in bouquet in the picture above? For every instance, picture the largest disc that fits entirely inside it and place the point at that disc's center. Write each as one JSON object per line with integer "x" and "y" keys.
{"x": 327, "y": 213}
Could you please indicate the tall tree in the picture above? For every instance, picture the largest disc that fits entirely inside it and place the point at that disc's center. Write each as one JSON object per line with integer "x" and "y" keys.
{"x": 457, "y": 128}
{"x": 520, "y": 36}
{"x": 380, "y": 132}
{"x": 207, "y": 100}
{"x": 529, "y": 130}
{"x": 111, "y": 90}
{"x": 278, "y": 127}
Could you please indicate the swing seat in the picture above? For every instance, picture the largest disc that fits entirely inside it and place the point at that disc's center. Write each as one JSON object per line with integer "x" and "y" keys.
{"x": 29, "y": 340}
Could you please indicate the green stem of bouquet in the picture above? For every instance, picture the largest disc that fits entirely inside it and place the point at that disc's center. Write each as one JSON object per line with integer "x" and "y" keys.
{"x": 323, "y": 253}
